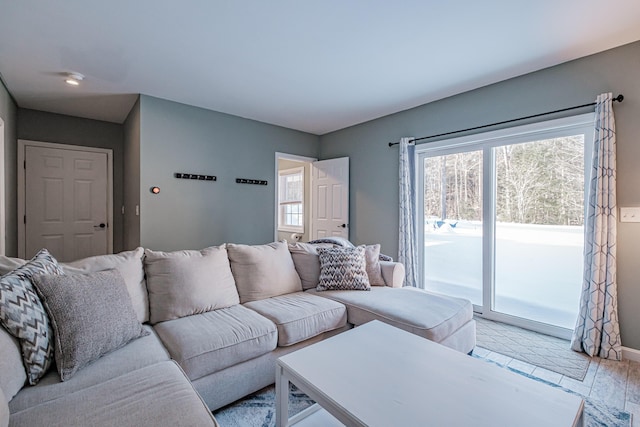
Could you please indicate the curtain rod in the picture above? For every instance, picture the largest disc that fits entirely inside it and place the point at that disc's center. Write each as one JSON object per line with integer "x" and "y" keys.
{"x": 618, "y": 98}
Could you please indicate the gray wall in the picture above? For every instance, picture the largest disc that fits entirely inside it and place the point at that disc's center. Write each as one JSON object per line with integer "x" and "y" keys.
{"x": 132, "y": 177}
{"x": 194, "y": 214}
{"x": 374, "y": 169}
{"x": 48, "y": 127}
{"x": 8, "y": 113}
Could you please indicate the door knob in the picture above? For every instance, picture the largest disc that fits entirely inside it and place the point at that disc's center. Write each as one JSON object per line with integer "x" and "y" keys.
{"x": 343, "y": 225}
{"x": 102, "y": 225}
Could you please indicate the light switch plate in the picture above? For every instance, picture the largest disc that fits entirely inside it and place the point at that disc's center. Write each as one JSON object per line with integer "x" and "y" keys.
{"x": 629, "y": 214}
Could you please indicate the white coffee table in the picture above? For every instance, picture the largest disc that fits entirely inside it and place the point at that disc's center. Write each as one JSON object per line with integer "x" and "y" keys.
{"x": 378, "y": 375}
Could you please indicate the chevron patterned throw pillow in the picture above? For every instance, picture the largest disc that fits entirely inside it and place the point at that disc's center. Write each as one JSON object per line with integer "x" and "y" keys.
{"x": 343, "y": 269}
{"x": 23, "y": 316}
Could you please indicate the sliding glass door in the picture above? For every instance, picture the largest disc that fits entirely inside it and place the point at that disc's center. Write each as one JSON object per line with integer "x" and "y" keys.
{"x": 501, "y": 221}
{"x": 453, "y": 224}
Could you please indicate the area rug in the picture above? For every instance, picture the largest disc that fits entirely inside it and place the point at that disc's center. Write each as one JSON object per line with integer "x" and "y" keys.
{"x": 258, "y": 410}
{"x": 548, "y": 352}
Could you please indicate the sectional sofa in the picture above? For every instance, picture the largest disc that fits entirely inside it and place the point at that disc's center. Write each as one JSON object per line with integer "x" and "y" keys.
{"x": 213, "y": 322}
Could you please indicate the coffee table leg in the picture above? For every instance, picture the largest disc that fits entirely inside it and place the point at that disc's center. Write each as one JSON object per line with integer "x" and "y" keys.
{"x": 282, "y": 398}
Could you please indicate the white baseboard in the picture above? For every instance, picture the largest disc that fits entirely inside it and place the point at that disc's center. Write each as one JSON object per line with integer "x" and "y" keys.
{"x": 630, "y": 354}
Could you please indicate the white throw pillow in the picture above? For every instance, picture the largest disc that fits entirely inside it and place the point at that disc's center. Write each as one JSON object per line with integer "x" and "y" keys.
{"x": 183, "y": 283}
{"x": 372, "y": 258}
{"x": 263, "y": 271}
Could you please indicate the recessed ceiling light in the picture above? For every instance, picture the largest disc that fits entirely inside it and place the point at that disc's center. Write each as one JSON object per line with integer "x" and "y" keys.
{"x": 74, "y": 79}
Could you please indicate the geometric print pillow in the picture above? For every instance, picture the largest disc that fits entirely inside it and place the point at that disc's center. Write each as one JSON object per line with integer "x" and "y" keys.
{"x": 23, "y": 316}
{"x": 343, "y": 269}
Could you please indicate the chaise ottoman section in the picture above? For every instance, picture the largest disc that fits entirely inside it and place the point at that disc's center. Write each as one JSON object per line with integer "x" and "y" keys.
{"x": 156, "y": 395}
{"x": 300, "y": 316}
{"x": 139, "y": 353}
{"x": 209, "y": 342}
{"x": 423, "y": 313}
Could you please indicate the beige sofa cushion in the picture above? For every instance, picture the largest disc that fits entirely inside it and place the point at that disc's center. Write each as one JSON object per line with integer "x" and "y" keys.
{"x": 263, "y": 271}
{"x": 137, "y": 354}
{"x": 8, "y": 264}
{"x": 300, "y": 316}
{"x": 4, "y": 410}
{"x": 12, "y": 373}
{"x": 426, "y": 314}
{"x": 372, "y": 260}
{"x": 307, "y": 264}
{"x": 129, "y": 264}
{"x": 206, "y": 343}
{"x": 155, "y": 395}
{"x": 183, "y": 283}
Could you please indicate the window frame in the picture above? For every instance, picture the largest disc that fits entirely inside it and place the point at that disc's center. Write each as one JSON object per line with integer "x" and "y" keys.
{"x": 282, "y": 188}
{"x": 486, "y": 142}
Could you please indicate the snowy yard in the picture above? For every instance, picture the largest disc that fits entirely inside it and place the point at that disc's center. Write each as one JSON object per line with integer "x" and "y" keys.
{"x": 538, "y": 268}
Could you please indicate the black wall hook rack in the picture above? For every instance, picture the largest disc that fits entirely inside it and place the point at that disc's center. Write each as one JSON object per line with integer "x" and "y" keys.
{"x": 251, "y": 181}
{"x": 181, "y": 175}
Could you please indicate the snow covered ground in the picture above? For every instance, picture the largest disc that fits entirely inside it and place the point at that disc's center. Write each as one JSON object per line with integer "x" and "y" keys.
{"x": 538, "y": 267}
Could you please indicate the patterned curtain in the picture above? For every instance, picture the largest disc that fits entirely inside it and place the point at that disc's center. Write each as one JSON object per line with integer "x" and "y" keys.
{"x": 407, "y": 249}
{"x": 597, "y": 330}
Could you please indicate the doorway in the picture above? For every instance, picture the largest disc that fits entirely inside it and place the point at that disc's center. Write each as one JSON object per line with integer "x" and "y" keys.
{"x": 293, "y": 197}
{"x": 311, "y": 198}
{"x": 65, "y": 199}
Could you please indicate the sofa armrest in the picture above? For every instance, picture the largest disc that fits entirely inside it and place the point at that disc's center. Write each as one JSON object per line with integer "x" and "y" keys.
{"x": 4, "y": 410}
{"x": 392, "y": 273}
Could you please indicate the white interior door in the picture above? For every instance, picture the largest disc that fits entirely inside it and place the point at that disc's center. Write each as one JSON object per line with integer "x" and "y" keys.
{"x": 330, "y": 198}
{"x": 67, "y": 202}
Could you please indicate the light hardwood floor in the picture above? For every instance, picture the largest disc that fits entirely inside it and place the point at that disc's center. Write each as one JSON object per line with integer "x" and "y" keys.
{"x": 614, "y": 383}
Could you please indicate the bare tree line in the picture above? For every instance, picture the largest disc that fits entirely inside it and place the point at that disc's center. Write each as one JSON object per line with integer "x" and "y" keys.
{"x": 540, "y": 182}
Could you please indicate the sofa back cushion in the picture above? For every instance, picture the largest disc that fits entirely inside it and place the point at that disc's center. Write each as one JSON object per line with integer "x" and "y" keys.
{"x": 129, "y": 264}
{"x": 263, "y": 271}
{"x": 183, "y": 283}
{"x": 12, "y": 373}
{"x": 306, "y": 261}
{"x": 8, "y": 264}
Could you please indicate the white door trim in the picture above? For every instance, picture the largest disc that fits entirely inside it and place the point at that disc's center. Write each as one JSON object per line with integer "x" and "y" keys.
{"x": 3, "y": 218}
{"x": 283, "y": 156}
{"x": 22, "y": 144}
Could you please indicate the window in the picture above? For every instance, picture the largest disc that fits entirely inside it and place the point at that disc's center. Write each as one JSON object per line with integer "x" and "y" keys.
{"x": 291, "y": 200}
{"x": 502, "y": 220}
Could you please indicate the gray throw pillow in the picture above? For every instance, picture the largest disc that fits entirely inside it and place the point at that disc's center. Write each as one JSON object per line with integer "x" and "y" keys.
{"x": 91, "y": 315}
{"x": 23, "y": 315}
{"x": 343, "y": 269}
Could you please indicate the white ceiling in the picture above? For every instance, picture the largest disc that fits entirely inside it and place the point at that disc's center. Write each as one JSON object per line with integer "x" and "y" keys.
{"x": 316, "y": 66}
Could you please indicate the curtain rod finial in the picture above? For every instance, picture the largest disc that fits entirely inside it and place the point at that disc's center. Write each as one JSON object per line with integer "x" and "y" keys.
{"x": 619, "y": 98}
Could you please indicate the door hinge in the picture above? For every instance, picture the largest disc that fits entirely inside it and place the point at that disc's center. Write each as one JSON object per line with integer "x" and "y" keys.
{"x": 24, "y": 165}
{"x": 25, "y": 219}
